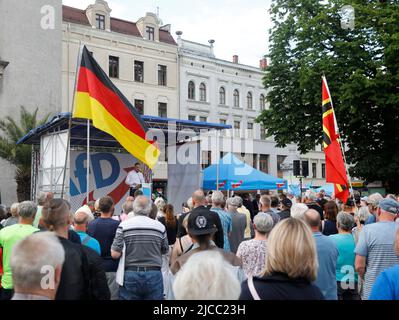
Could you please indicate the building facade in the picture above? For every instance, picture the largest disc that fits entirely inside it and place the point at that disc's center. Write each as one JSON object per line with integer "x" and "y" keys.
{"x": 30, "y": 67}
{"x": 140, "y": 58}
{"x": 227, "y": 92}
{"x": 39, "y": 46}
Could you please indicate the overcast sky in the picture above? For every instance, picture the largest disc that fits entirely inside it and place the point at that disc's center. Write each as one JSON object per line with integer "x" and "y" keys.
{"x": 238, "y": 26}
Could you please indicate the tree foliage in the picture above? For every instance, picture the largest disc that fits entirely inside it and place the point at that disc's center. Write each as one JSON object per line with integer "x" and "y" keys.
{"x": 361, "y": 66}
{"x": 19, "y": 155}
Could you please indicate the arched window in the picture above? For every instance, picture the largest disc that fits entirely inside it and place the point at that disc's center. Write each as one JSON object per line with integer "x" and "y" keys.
{"x": 236, "y": 96}
{"x": 249, "y": 100}
{"x": 191, "y": 90}
{"x": 202, "y": 92}
{"x": 262, "y": 102}
{"x": 222, "y": 96}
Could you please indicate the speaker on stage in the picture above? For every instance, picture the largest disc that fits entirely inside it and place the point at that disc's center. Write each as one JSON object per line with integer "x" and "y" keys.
{"x": 305, "y": 168}
{"x": 297, "y": 168}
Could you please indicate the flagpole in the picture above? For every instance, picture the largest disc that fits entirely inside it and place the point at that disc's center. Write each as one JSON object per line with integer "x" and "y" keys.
{"x": 339, "y": 139}
{"x": 88, "y": 163}
{"x": 218, "y": 159}
{"x": 68, "y": 147}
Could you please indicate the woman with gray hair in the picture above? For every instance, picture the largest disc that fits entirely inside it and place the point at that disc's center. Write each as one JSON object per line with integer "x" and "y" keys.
{"x": 361, "y": 217}
{"x": 347, "y": 283}
{"x": 253, "y": 252}
{"x": 206, "y": 276}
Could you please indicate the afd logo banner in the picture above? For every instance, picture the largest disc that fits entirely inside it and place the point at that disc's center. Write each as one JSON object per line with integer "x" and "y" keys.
{"x": 108, "y": 172}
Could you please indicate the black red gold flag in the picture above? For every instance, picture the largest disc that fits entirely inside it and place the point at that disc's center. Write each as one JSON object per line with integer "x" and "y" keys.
{"x": 99, "y": 100}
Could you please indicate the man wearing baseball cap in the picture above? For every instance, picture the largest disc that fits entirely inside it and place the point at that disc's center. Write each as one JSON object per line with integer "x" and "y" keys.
{"x": 201, "y": 228}
{"x": 386, "y": 287}
{"x": 375, "y": 251}
{"x": 285, "y": 212}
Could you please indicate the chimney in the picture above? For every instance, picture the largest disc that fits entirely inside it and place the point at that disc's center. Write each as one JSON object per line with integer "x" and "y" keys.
{"x": 179, "y": 40}
{"x": 211, "y": 42}
{"x": 263, "y": 64}
{"x": 235, "y": 59}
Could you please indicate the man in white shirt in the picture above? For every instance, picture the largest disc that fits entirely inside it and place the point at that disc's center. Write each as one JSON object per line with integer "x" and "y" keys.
{"x": 135, "y": 179}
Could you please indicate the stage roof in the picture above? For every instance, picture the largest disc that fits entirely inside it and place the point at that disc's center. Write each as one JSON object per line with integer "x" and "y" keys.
{"x": 99, "y": 138}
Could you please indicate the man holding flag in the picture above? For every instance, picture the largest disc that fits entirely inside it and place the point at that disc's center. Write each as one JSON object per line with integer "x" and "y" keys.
{"x": 335, "y": 166}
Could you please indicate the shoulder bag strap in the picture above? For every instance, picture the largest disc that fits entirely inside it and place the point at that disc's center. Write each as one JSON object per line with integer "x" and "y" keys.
{"x": 189, "y": 248}
{"x": 181, "y": 246}
{"x": 252, "y": 289}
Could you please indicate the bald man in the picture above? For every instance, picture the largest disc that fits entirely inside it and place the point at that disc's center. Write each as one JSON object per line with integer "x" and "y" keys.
{"x": 80, "y": 222}
{"x": 199, "y": 204}
{"x": 327, "y": 255}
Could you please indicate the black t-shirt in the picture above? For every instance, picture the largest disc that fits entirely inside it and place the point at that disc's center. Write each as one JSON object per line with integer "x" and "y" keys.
{"x": 73, "y": 236}
{"x": 315, "y": 206}
{"x": 279, "y": 286}
{"x": 284, "y": 214}
{"x": 99, "y": 289}
{"x": 181, "y": 232}
{"x": 255, "y": 205}
{"x": 74, "y": 284}
{"x": 249, "y": 205}
{"x": 330, "y": 227}
{"x": 321, "y": 202}
{"x": 171, "y": 231}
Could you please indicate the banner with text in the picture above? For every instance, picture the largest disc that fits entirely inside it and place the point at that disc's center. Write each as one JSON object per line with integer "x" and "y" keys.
{"x": 108, "y": 172}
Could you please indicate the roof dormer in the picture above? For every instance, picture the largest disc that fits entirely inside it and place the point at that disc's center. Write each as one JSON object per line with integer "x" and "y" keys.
{"x": 149, "y": 26}
{"x": 99, "y": 15}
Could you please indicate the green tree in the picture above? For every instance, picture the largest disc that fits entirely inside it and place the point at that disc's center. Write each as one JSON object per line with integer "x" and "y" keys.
{"x": 362, "y": 68}
{"x": 19, "y": 155}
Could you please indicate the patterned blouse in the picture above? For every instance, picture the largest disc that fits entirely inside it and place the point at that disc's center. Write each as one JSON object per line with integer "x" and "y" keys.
{"x": 253, "y": 255}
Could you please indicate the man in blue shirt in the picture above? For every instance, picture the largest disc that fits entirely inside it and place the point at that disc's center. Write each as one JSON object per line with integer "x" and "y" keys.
{"x": 225, "y": 217}
{"x": 104, "y": 229}
{"x": 374, "y": 250}
{"x": 80, "y": 222}
{"x": 327, "y": 255}
{"x": 386, "y": 287}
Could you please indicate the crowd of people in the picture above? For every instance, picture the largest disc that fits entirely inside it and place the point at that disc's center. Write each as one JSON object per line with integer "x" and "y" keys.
{"x": 269, "y": 246}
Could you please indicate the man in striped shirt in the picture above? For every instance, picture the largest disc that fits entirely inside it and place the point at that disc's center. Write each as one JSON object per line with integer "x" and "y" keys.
{"x": 375, "y": 250}
{"x": 144, "y": 240}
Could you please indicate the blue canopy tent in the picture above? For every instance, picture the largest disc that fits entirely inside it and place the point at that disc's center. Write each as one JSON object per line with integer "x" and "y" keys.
{"x": 233, "y": 174}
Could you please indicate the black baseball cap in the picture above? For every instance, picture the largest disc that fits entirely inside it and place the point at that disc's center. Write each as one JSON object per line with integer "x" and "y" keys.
{"x": 350, "y": 202}
{"x": 286, "y": 202}
{"x": 201, "y": 222}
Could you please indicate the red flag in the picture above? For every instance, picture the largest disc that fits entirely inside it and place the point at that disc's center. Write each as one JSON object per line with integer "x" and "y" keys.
{"x": 335, "y": 166}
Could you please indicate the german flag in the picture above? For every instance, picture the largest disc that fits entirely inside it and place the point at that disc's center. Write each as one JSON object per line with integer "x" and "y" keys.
{"x": 335, "y": 166}
{"x": 99, "y": 100}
